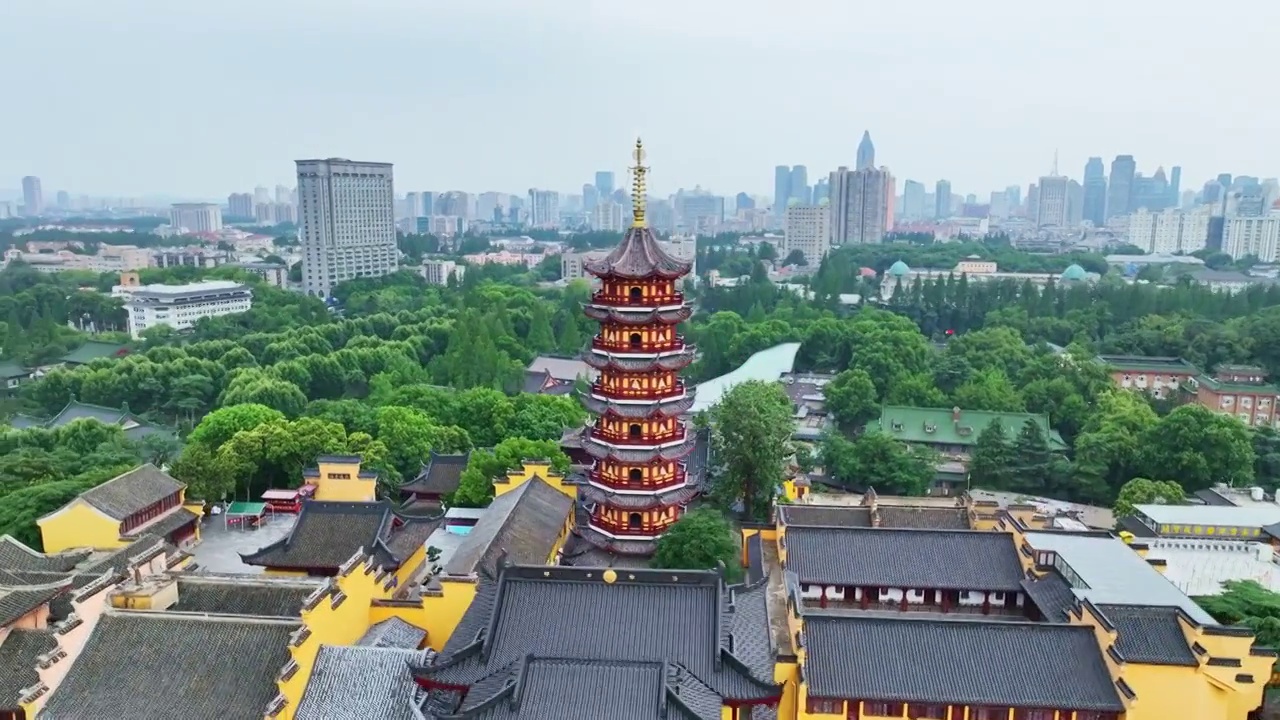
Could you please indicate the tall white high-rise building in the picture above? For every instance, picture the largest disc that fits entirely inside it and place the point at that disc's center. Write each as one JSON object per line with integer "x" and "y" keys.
{"x": 196, "y": 217}
{"x": 544, "y": 208}
{"x": 284, "y": 195}
{"x": 807, "y": 228}
{"x": 1053, "y": 201}
{"x": 1257, "y": 236}
{"x": 913, "y": 200}
{"x": 999, "y": 205}
{"x": 32, "y": 196}
{"x": 240, "y": 205}
{"x": 861, "y": 205}
{"x": 608, "y": 216}
{"x": 1169, "y": 231}
{"x": 346, "y": 222}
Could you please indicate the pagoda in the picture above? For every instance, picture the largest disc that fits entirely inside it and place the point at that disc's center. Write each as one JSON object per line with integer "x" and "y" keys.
{"x": 638, "y": 484}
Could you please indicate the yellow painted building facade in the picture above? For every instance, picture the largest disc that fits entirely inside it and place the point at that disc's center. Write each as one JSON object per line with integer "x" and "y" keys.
{"x": 340, "y": 479}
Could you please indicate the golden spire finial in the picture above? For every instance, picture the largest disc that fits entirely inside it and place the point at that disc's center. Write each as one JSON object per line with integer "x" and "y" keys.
{"x": 637, "y": 186}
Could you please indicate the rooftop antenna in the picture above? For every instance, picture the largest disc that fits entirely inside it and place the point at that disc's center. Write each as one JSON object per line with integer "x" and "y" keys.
{"x": 637, "y": 186}
{"x": 1055, "y": 163}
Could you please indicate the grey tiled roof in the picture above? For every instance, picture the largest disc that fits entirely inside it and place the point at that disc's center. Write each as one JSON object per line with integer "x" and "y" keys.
{"x": 360, "y": 682}
{"x": 938, "y": 559}
{"x": 18, "y": 601}
{"x": 535, "y": 380}
{"x": 16, "y": 556}
{"x": 393, "y": 633}
{"x": 1150, "y": 635}
{"x": 1052, "y": 595}
{"x": 525, "y": 523}
{"x": 575, "y": 689}
{"x": 18, "y": 653}
{"x": 135, "y": 490}
{"x": 958, "y": 662}
{"x": 923, "y": 518}
{"x": 682, "y": 617}
{"x": 439, "y": 476}
{"x": 411, "y": 535}
{"x": 175, "y": 520}
{"x": 261, "y": 597}
{"x": 825, "y": 515}
{"x": 326, "y": 534}
{"x": 161, "y": 665}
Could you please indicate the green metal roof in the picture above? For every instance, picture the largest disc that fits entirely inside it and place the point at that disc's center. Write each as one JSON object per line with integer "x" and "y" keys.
{"x": 937, "y": 426}
{"x": 11, "y": 369}
{"x": 1143, "y": 363}
{"x": 246, "y": 508}
{"x": 1222, "y": 386}
{"x": 92, "y": 350}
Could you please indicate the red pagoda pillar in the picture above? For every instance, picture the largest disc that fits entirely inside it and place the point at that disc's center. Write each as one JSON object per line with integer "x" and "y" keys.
{"x": 637, "y": 486}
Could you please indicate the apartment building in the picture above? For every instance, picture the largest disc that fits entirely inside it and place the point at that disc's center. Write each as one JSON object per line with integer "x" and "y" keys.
{"x": 181, "y": 306}
{"x": 807, "y": 228}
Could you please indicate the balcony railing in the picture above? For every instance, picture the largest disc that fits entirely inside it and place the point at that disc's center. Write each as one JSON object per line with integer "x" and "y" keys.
{"x": 627, "y": 438}
{"x": 627, "y": 346}
{"x": 603, "y": 298}
{"x": 626, "y": 528}
{"x": 619, "y": 393}
{"x": 677, "y": 480}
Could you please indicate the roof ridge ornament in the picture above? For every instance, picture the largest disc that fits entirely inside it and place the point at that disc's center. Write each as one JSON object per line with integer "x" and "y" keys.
{"x": 638, "y": 186}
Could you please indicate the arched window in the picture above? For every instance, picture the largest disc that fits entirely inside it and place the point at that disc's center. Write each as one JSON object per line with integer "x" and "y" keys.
{"x": 635, "y": 340}
{"x": 633, "y": 521}
{"x": 636, "y": 294}
{"x": 634, "y": 431}
{"x": 635, "y": 476}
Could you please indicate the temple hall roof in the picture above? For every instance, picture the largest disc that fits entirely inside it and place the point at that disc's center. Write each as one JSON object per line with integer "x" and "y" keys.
{"x": 687, "y": 618}
{"x": 1052, "y": 595}
{"x": 1149, "y": 635}
{"x": 939, "y": 559}
{"x": 326, "y": 534}
{"x": 14, "y": 555}
{"x": 639, "y": 255}
{"x": 361, "y": 682}
{"x": 126, "y": 494}
{"x": 439, "y": 476}
{"x": 524, "y": 523}
{"x": 556, "y": 688}
{"x": 958, "y": 662}
{"x": 18, "y": 652}
{"x": 163, "y": 665}
{"x": 825, "y": 515}
{"x": 393, "y": 633}
{"x": 242, "y": 596}
{"x": 17, "y": 601}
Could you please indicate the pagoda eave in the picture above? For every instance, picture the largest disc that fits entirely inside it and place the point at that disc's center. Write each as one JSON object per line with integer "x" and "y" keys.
{"x": 624, "y": 454}
{"x": 624, "y": 501}
{"x": 663, "y": 409}
{"x": 623, "y": 363}
{"x": 604, "y": 272}
{"x": 647, "y": 316}
{"x": 618, "y": 546}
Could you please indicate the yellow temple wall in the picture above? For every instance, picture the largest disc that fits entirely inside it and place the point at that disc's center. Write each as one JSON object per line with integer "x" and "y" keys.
{"x": 530, "y": 468}
{"x": 79, "y": 525}
{"x": 438, "y": 612}
{"x": 341, "y": 482}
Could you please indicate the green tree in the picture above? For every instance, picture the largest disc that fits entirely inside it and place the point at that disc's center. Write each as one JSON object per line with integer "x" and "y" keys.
{"x": 1033, "y": 461}
{"x": 1141, "y": 491}
{"x": 1110, "y": 448}
{"x": 876, "y": 460}
{"x": 277, "y": 394}
{"x": 541, "y": 337}
{"x": 219, "y": 426}
{"x": 700, "y": 540}
{"x": 21, "y": 508}
{"x": 990, "y": 390}
{"x": 852, "y": 397}
{"x": 199, "y": 466}
{"x": 752, "y": 426}
{"x": 992, "y": 462}
{"x": 475, "y": 486}
{"x": 916, "y": 390}
{"x": 1247, "y": 603}
{"x": 1197, "y": 448}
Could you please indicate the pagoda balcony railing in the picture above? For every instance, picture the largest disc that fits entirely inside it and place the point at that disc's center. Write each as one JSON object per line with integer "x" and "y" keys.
{"x": 639, "y": 440}
{"x": 620, "y": 393}
{"x": 642, "y": 348}
{"x": 600, "y": 297}
{"x": 625, "y": 529}
{"x": 678, "y": 480}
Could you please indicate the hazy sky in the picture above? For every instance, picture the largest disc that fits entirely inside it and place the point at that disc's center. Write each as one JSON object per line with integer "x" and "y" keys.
{"x": 204, "y": 97}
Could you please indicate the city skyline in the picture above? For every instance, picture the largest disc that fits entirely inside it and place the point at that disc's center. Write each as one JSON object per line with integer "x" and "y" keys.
{"x": 987, "y": 138}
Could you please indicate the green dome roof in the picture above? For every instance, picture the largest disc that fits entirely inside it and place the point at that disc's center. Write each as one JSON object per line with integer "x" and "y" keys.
{"x": 899, "y": 269}
{"x": 1074, "y": 272}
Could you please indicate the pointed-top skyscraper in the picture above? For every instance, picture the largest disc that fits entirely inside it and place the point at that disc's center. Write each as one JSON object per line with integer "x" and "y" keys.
{"x": 866, "y": 152}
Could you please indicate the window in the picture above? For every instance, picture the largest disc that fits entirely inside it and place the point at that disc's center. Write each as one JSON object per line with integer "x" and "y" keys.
{"x": 1034, "y": 714}
{"x": 633, "y": 521}
{"x": 882, "y": 708}
{"x": 636, "y": 294}
{"x": 1094, "y": 715}
{"x": 988, "y": 713}
{"x": 636, "y": 476}
{"x": 635, "y": 340}
{"x": 634, "y": 431}
{"x": 824, "y": 705}
{"x": 927, "y": 712}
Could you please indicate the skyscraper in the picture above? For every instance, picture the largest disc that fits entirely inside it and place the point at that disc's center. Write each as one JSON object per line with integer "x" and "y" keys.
{"x": 196, "y": 217}
{"x": 799, "y": 185}
{"x": 743, "y": 201}
{"x": 346, "y": 222}
{"x": 781, "y": 190}
{"x": 590, "y": 197}
{"x": 821, "y": 191}
{"x": 913, "y": 200}
{"x": 1095, "y": 192}
{"x": 64, "y": 200}
{"x": 866, "y": 152}
{"x": 861, "y": 205}
{"x": 32, "y": 196}
{"x": 942, "y": 200}
{"x": 240, "y": 205}
{"x": 1014, "y": 193}
{"x": 1175, "y": 185}
{"x": 1052, "y": 202}
{"x": 604, "y": 183}
{"x": 1120, "y": 190}
{"x": 544, "y": 208}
